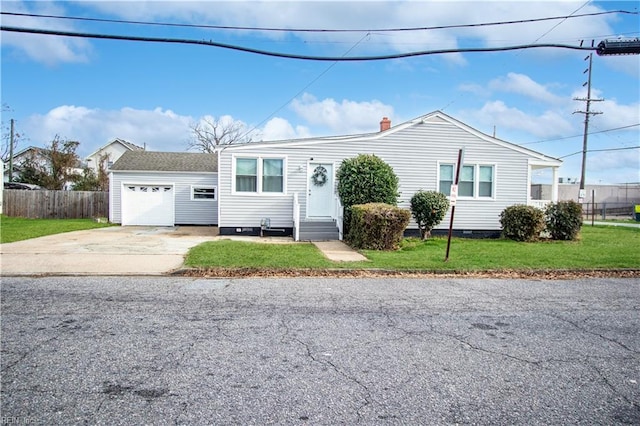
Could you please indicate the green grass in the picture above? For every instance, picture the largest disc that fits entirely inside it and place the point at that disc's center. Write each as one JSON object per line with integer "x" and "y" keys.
{"x": 600, "y": 247}
{"x": 240, "y": 254}
{"x": 18, "y": 228}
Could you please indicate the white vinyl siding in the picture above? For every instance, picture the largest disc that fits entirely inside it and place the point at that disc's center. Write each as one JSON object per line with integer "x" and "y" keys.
{"x": 415, "y": 153}
{"x": 187, "y": 210}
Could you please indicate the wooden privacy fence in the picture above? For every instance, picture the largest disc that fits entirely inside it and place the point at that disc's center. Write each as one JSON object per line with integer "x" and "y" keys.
{"x": 45, "y": 204}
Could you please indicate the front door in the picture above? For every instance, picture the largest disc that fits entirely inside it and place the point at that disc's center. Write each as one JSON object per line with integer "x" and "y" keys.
{"x": 320, "y": 190}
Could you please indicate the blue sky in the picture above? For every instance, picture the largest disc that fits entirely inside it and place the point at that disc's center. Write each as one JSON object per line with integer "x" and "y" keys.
{"x": 151, "y": 94}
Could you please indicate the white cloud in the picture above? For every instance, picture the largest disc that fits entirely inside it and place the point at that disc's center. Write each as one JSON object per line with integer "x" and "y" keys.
{"x": 524, "y": 85}
{"x": 545, "y": 125}
{"x": 613, "y": 114}
{"x": 346, "y": 117}
{"x": 158, "y": 129}
{"x": 372, "y": 15}
{"x": 476, "y": 89}
{"x": 49, "y": 50}
{"x": 280, "y": 129}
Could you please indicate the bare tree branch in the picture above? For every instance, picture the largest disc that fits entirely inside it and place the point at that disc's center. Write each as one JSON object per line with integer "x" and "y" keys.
{"x": 210, "y": 133}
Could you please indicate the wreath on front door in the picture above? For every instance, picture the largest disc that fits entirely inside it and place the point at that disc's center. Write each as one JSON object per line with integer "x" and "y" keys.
{"x": 319, "y": 176}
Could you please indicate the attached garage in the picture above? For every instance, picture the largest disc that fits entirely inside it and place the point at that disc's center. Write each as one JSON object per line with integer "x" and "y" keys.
{"x": 148, "y": 204}
{"x": 164, "y": 189}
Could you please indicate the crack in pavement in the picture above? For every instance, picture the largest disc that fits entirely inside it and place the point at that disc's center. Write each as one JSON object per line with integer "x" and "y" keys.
{"x": 615, "y": 391}
{"x": 593, "y": 333}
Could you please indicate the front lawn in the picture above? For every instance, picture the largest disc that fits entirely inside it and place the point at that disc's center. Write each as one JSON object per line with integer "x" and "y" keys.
{"x": 18, "y": 228}
{"x": 600, "y": 247}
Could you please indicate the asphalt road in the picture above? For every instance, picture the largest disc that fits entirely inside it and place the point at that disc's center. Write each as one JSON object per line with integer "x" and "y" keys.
{"x": 163, "y": 350}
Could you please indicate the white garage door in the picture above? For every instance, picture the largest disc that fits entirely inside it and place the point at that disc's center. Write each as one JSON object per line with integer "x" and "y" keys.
{"x": 151, "y": 205}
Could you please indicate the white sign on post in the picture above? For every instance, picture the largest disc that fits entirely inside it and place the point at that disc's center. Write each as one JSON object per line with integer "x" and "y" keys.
{"x": 454, "y": 195}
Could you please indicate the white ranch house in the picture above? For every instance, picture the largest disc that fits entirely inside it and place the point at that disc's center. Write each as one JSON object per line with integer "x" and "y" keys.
{"x": 267, "y": 188}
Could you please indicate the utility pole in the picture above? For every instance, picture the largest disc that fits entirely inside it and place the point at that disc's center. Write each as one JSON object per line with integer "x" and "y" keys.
{"x": 11, "y": 153}
{"x": 587, "y": 112}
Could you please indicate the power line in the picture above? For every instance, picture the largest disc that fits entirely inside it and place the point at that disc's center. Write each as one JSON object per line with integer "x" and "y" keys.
{"x": 581, "y": 135}
{"x": 602, "y": 150}
{"x": 308, "y": 30}
{"x": 326, "y": 70}
{"x": 289, "y": 55}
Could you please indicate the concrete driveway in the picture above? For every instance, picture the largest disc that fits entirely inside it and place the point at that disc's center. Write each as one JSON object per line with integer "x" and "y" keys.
{"x": 129, "y": 250}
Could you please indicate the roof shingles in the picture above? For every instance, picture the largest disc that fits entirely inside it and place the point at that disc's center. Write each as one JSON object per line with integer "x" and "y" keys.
{"x": 166, "y": 162}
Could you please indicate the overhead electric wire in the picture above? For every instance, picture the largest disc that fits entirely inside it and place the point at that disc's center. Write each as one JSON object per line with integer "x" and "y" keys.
{"x": 602, "y": 150}
{"x": 289, "y": 55}
{"x": 326, "y": 70}
{"x": 581, "y": 135}
{"x": 234, "y": 27}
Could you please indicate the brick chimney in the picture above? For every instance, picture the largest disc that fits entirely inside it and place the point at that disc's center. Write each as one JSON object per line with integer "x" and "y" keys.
{"x": 385, "y": 124}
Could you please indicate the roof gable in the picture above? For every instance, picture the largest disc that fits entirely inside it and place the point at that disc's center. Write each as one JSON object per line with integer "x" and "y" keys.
{"x": 166, "y": 162}
{"x": 436, "y": 117}
{"x": 128, "y": 145}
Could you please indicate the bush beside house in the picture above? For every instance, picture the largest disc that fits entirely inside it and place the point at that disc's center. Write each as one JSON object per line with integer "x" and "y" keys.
{"x": 428, "y": 209}
{"x": 377, "y": 226}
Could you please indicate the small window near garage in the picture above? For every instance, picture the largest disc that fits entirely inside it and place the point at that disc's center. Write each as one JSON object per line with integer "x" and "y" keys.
{"x": 203, "y": 193}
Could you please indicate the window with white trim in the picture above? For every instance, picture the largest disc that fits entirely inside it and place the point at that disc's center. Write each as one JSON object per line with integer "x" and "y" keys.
{"x": 259, "y": 175}
{"x": 475, "y": 180}
{"x": 203, "y": 193}
{"x": 246, "y": 174}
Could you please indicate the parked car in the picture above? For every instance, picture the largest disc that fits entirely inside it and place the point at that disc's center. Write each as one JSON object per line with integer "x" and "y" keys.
{"x": 20, "y": 185}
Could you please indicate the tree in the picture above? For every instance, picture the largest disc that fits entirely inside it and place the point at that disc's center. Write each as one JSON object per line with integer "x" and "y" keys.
{"x": 92, "y": 181}
{"x": 367, "y": 179}
{"x": 210, "y": 133}
{"x": 54, "y": 166}
{"x": 428, "y": 209}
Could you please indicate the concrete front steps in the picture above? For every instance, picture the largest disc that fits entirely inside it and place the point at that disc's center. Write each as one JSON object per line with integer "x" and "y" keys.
{"x": 316, "y": 230}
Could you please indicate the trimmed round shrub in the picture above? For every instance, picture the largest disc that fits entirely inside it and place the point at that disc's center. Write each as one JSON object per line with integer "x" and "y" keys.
{"x": 564, "y": 220}
{"x": 377, "y": 226}
{"x": 522, "y": 223}
{"x": 366, "y": 179}
{"x": 428, "y": 209}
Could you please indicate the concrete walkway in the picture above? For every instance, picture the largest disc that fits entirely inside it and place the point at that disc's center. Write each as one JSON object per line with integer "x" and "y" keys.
{"x": 339, "y": 251}
{"x": 625, "y": 225}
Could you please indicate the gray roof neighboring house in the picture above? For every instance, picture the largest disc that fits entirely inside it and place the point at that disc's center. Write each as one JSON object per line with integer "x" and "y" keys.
{"x": 166, "y": 162}
{"x": 130, "y": 146}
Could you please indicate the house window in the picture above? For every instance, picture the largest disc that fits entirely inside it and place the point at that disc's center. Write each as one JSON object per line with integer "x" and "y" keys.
{"x": 465, "y": 183}
{"x": 475, "y": 181}
{"x": 203, "y": 193}
{"x": 246, "y": 174}
{"x": 269, "y": 170}
{"x": 485, "y": 185}
{"x": 446, "y": 178}
{"x": 272, "y": 177}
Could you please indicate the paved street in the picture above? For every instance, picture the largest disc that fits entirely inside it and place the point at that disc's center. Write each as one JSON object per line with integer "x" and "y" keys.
{"x": 172, "y": 350}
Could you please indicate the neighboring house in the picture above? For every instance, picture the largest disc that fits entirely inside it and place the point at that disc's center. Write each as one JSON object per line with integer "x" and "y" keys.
{"x": 269, "y": 186}
{"x": 20, "y": 157}
{"x": 110, "y": 152}
{"x": 37, "y": 155}
{"x": 164, "y": 189}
